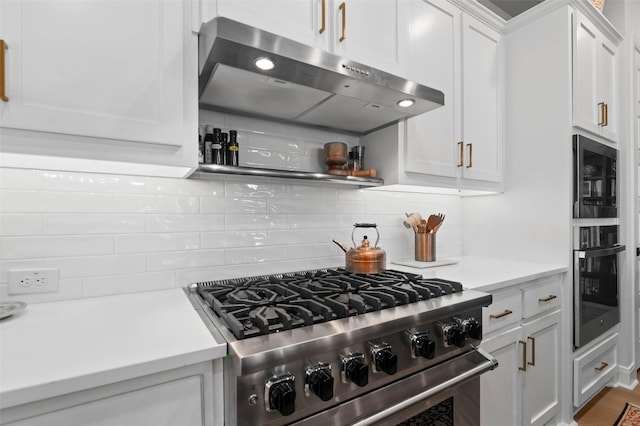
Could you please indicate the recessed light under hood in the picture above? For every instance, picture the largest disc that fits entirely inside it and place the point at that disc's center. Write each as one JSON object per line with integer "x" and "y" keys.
{"x": 306, "y": 85}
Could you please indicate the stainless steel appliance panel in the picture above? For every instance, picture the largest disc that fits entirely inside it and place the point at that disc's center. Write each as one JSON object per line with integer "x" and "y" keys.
{"x": 595, "y": 186}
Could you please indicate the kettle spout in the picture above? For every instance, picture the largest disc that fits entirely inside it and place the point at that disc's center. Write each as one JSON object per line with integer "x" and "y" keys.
{"x": 341, "y": 246}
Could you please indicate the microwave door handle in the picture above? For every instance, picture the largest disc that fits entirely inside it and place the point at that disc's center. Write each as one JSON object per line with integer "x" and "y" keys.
{"x": 585, "y": 254}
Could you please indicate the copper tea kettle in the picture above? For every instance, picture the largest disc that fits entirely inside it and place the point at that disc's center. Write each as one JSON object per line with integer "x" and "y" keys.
{"x": 364, "y": 259}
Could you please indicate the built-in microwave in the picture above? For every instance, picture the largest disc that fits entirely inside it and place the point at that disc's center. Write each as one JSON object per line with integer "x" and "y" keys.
{"x": 595, "y": 179}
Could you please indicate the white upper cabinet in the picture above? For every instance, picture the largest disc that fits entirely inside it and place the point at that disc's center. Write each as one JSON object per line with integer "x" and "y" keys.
{"x": 365, "y": 31}
{"x": 104, "y": 69}
{"x": 482, "y": 151}
{"x": 458, "y": 145}
{"x": 595, "y": 80}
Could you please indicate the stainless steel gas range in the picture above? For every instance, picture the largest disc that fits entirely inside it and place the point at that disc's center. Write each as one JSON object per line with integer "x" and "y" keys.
{"x": 332, "y": 347}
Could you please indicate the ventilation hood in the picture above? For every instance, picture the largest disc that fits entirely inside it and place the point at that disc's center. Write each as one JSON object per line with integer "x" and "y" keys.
{"x": 307, "y": 86}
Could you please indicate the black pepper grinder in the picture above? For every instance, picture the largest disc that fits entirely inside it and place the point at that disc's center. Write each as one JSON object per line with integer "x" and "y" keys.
{"x": 232, "y": 149}
{"x": 216, "y": 148}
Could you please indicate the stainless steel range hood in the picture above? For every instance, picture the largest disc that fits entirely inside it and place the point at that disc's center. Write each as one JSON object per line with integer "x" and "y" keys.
{"x": 308, "y": 86}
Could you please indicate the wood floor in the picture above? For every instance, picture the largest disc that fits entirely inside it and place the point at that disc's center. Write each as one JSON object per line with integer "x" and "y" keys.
{"x": 604, "y": 409}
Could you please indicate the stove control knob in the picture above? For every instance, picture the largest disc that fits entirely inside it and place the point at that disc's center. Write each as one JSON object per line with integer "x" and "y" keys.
{"x": 318, "y": 379}
{"x": 453, "y": 335}
{"x": 280, "y": 394}
{"x": 355, "y": 368}
{"x": 422, "y": 346}
{"x": 471, "y": 327}
{"x": 383, "y": 359}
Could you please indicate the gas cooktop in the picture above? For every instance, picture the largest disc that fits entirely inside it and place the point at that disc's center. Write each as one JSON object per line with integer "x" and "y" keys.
{"x": 261, "y": 305}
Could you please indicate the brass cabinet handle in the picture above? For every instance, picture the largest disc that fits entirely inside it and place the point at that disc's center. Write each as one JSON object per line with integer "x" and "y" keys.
{"x": 461, "y": 146}
{"x": 606, "y": 115}
{"x": 324, "y": 17}
{"x": 500, "y": 315}
{"x": 343, "y": 7}
{"x": 602, "y": 366}
{"x": 3, "y": 93}
{"x": 546, "y": 299}
{"x": 524, "y": 355}
{"x": 470, "y": 146}
{"x": 533, "y": 350}
{"x": 601, "y": 105}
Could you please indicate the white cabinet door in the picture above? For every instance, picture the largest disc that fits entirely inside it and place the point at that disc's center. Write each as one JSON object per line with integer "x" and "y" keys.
{"x": 104, "y": 69}
{"x": 608, "y": 87}
{"x": 595, "y": 80}
{"x": 367, "y": 31}
{"x": 501, "y": 389}
{"x": 481, "y": 136}
{"x": 299, "y": 20}
{"x": 541, "y": 390}
{"x": 585, "y": 108}
{"x": 173, "y": 403}
{"x": 434, "y": 40}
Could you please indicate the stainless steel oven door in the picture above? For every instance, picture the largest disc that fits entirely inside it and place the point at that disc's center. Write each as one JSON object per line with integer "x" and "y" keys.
{"x": 446, "y": 394}
{"x": 596, "y": 307}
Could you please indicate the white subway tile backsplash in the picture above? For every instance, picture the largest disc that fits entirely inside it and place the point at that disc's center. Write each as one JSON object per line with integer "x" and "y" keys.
{"x": 17, "y": 201}
{"x": 312, "y": 251}
{"x": 156, "y": 204}
{"x": 143, "y": 243}
{"x": 250, "y": 157}
{"x": 311, "y": 221}
{"x": 58, "y": 224}
{"x": 91, "y": 266}
{"x": 256, "y": 255}
{"x": 169, "y": 261}
{"x": 165, "y": 186}
{"x": 314, "y": 206}
{"x": 20, "y": 224}
{"x": 92, "y": 182}
{"x": 232, "y": 205}
{"x": 233, "y": 239}
{"x": 120, "y": 284}
{"x": 255, "y": 190}
{"x": 20, "y": 179}
{"x": 67, "y": 290}
{"x": 312, "y": 192}
{"x": 184, "y": 222}
{"x": 240, "y": 222}
{"x": 55, "y": 246}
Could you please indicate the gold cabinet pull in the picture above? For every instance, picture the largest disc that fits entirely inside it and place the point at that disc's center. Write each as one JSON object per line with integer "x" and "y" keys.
{"x": 524, "y": 355}
{"x": 324, "y": 16}
{"x": 461, "y": 157}
{"x": 546, "y": 299}
{"x": 601, "y": 121}
{"x": 343, "y": 8}
{"x": 3, "y": 93}
{"x": 533, "y": 350}
{"x": 602, "y": 366}
{"x": 606, "y": 115}
{"x": 470, "y": 146}
{"x": 502, "y": 314}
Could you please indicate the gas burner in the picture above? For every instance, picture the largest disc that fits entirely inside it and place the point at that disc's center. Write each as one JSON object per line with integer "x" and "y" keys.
{"x": 269, "y": 304}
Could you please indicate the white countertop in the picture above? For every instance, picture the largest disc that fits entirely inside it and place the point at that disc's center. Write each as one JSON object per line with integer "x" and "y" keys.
{"x": 487, "y": 273}
{"x": 51, "y": 349}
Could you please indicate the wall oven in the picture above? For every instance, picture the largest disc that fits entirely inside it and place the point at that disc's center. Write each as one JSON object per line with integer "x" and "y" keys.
{"x": 596, "y": 277}
{"x": 595, "y": 184}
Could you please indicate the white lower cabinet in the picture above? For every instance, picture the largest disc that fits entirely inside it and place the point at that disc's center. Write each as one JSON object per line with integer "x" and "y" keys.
{"x": 594, "y": 369}
{"x": 522, "y": 331}
{"x": 183, "y": 397}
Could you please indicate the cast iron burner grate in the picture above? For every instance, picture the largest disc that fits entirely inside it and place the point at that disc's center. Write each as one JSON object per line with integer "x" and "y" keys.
{"x": 260, "y": 305}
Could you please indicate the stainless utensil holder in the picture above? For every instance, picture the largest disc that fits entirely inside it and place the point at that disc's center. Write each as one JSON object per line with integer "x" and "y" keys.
{"x": 425, "y": 247}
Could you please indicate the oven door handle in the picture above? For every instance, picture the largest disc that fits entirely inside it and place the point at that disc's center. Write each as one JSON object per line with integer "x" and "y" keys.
{"x": 586, "y": 254}
{"x": 489, "y": 364}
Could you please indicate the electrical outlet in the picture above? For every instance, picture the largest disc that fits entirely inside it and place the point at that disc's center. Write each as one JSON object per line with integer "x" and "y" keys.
{"x": 43, "y": 280}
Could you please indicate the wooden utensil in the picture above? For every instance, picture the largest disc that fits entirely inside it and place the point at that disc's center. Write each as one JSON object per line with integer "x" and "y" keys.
{"x": 433, "y": 221}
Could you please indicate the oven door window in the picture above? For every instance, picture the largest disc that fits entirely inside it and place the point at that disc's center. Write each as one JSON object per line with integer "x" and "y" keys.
{"x": 595, "y": 179}
{"x": 597, "y": 287}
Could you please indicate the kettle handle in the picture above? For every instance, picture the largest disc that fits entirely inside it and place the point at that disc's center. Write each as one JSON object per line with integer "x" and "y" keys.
{"x": 365, "y": 225}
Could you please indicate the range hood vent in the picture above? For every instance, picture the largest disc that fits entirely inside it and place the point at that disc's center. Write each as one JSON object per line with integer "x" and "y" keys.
{"x": 307, "y": 86}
